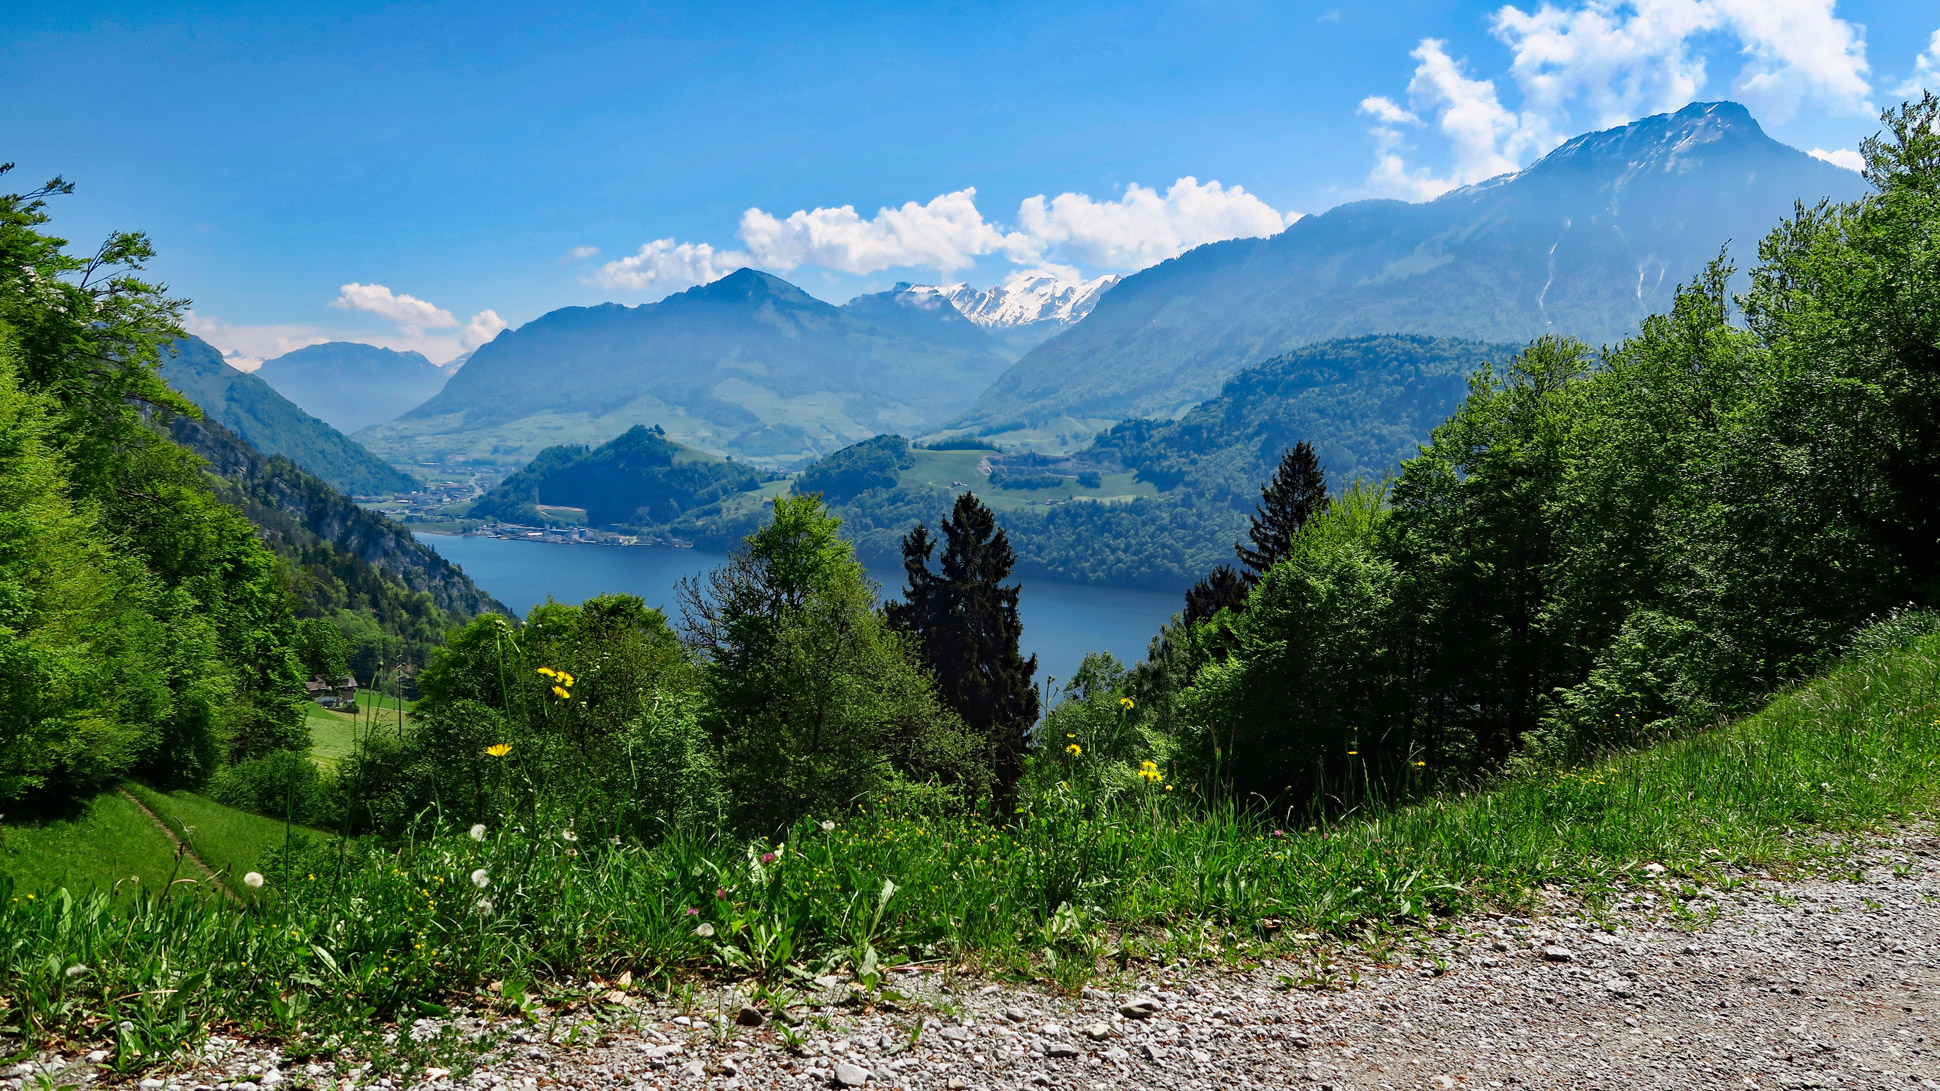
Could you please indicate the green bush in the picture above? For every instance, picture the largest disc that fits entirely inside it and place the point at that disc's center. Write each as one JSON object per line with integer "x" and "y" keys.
{"x": 285, "y": 784}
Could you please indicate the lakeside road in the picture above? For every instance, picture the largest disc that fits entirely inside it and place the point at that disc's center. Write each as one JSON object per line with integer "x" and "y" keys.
{"x": 1798, "y": 984}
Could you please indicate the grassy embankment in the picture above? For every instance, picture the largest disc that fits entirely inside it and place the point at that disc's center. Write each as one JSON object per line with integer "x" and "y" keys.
{"x": 1075, "y": 889}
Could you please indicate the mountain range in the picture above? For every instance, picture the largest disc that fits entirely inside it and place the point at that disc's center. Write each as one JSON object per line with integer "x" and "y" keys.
{"x": 641, "y": 478}
{"x": 270, "y": 423}
{"x": 348, "y": 385}
{"x": 749, "y": 364}
{"x": 1026, "y": 309}
{"x": 1586, "y": 242}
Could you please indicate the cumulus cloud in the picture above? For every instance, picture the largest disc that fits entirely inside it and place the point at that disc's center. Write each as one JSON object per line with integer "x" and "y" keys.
{"x": 415, "y": 318}
{"x": 246, "y": 347}
{"x": 1141, "y": 228}
{"x": 482, "y": 327}
{"x": 1605, "y": 62}
{"x": 1926, "y": 71}
{"x": 407, "y": 311}
{"x": 947, "y": 234}
{"x": 1840, "y": 157}
{"x": 669, "y": 265}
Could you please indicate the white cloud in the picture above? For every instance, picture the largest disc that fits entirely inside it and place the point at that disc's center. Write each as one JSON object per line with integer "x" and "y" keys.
{"x": 1797, "y": 49}
{"x": 1926, "y": 71}
{"x": 1840, "y": 157}
{"x": 1606, "y": 62}
{"x": 946, "y": 234}
{"x": 482, "y": 327}
{"x": 414, "y": 318}
{"x": 1141, "y": 228}
{"x": 407, "y": 311}
{"x": 579, "y": 253}
{"x": 669, "y": 265}
{"x": 246, "y": 347}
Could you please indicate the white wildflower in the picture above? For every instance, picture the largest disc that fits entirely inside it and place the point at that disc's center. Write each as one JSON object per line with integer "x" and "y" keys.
{"x": 478, "y": 832}
{"x": 705, "y": 930}
{"x": 481, "y": 879}
{"x": 253, "y": 880}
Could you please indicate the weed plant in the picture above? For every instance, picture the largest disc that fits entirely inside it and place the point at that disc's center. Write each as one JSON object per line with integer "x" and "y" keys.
{"x": 344, "y": 934}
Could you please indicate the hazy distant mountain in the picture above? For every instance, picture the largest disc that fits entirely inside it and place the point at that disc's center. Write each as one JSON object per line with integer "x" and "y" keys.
{"x": 352, "y": 386}
{"x": 272, "y": 424}
{"x": 1586, "y": 242}
{"x": 749, "y": 365}
{"x": 1024, "y": 310}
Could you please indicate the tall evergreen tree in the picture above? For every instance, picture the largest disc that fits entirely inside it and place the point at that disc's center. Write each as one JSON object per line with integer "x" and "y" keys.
{"x": 1297, "y": 491}
{"x": 964, "y": 621}
{"x": 1221, "y": 589}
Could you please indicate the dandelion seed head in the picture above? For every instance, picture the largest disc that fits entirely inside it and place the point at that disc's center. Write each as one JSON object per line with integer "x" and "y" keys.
{"x": 478, "y": 832}
{"x": 253, "y": 880}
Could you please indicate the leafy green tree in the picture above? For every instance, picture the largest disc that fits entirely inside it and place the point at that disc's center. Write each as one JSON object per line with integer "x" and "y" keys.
{"x": 322, "y": 649}
{"x": 217, "y": 611}
{"x": 817, "y": 705}
{"x": 963, "y": 619}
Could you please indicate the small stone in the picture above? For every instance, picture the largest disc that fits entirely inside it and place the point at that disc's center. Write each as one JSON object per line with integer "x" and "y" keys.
{"x": 1151, "y": 1052}
{"x": 431, "y": 1075}
{"x": 749, "y": 1016}
{"x": 151, "y": 1084}
{"x": 1098, "y": 1032}
{"x": 828, "y": 981}
{"x": 849, "y": 1075}
{"x": 693, "y": 1070}
{"x": 1090, "y": 993}
{"x": 1201, "y": 1056}
{"x": 275, "y": 1076}
{"x": 1139, "y": 1007}
{"x": 957, "y": 1083}
{"x": 1653, "y": 869}
{"x": 1553, "y": 953}
{"x": 97, "y": 1056}
{"x": 1060, "y": 1049}
{"x": 1444, "y": 1082}
{"x": 1016, "y": 1015}
{"x": 1050, "y": 1030}
{"x": 954, "y": 1034}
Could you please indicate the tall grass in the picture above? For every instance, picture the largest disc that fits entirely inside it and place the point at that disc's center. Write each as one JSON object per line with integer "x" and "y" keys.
{"x": 342, "y": 933}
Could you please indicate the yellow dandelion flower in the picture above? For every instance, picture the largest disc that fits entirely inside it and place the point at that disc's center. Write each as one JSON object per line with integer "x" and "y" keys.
{"x": 1074, "y": 750}
{"x": 561, "y": 692}
{"x": 1126, "y": 702}
{"x": 548, "y": 672}
{"x": 499, "y": 749}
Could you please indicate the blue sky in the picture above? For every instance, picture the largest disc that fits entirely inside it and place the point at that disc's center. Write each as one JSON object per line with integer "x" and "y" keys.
{"x": 416, "y": 174}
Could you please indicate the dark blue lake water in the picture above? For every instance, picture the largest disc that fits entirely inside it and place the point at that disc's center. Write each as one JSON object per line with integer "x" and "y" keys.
{"x": 1062, "y": 621}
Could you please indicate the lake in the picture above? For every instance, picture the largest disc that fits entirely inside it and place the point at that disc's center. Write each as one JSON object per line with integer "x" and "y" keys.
{"x": 1062, "y": 621}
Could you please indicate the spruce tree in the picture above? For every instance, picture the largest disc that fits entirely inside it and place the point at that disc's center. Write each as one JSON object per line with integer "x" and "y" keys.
{"x": 1222, "y": 589}
{"x": 1296, "y": 493}
{"x": 964, "y": 620}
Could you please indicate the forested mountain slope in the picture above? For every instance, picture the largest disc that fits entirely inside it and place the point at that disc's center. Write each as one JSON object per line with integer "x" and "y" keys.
{"x": 253, "y": 410}
{"x": 347, "y": 557}
{"x": 1585, "y": 242}
{"x": 1365, "y": 403}
{"x": 349, "y": 385}
{"x": 641, "y": 478}
{"x": 749, "y": 365}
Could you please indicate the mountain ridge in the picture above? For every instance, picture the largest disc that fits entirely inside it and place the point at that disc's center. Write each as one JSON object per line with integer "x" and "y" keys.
{"x": 350, "y": 385}
{"x": 272, "y": 424}
{"x": 1585, "y": 241}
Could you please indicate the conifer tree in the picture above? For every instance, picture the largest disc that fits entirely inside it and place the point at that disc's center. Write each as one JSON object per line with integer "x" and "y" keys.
{"x": 964, "y": 621}
{"x": 1221, "y": 589}
{"x": 1297, "y": 491}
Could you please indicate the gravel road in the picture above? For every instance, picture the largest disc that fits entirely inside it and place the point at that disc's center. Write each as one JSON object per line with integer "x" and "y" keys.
{"x": 1797, "y": 984}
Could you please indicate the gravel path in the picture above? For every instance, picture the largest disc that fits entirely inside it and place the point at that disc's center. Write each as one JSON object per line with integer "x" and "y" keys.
{"x": 1772, "y": 985}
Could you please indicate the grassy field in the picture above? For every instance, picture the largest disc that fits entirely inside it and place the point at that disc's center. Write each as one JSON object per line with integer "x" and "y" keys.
{"x": 958, "y": 469}
{"x": 108, "y": 842}
{"x": 1077, "y": 887}
{"x": 231, "y": 842}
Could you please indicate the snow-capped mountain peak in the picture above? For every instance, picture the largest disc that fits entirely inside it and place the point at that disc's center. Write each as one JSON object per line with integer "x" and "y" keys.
{"x": 1026, "y": 299}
